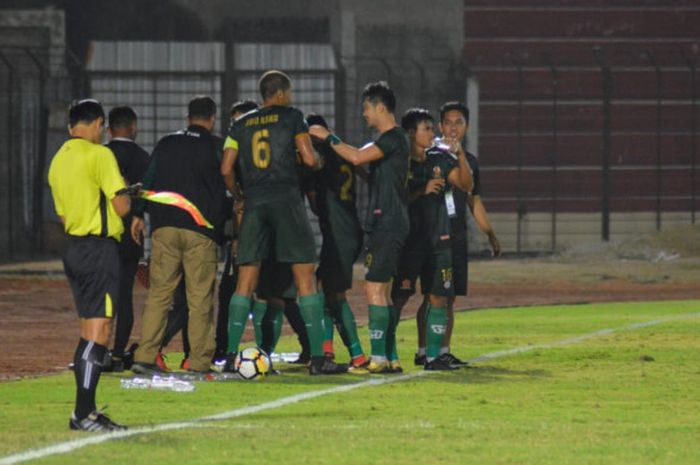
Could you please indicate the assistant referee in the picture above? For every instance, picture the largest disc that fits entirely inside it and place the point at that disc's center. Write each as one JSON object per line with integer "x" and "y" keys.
{"x": 84, "y": 178}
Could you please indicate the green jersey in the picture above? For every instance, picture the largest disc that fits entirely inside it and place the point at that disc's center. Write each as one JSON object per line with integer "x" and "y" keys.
{"x": 439, "y": 208}
{"x": 265, "y": 141}
{"x": 388, "y": 181}
{"x": 334, "y": 184}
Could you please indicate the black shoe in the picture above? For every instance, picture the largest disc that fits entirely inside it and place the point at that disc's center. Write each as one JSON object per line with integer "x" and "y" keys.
{"x": 320, "y": 365}
{"x": 304, "y": 358}
{"x": 96, "y": 422}
{"x": 218, "y": 355}
{"x": 438, "y": 364}
{"x": 142, "y": 368}
{"x": 229, "y": 366}
{"x": 116, "y": 365}
{"x": 453, "y": 361}
{"x": 128, "y": 357}
{"x": 419, "y": 360}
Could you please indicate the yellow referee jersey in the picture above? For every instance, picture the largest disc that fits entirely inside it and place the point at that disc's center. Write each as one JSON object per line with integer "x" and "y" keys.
{"x": 84, "y": 177}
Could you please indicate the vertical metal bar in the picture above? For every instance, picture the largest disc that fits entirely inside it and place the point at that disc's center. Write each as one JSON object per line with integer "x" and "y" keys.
{"x": 10, "y": 150}
{"x": 693, "y": 133}
{"x": 519, "y": 153}
{"x": 606, "y": 76}
{"x": 554, "y": 192}
{"x": 657, "y": 69}
{"x": 38, "y": 200}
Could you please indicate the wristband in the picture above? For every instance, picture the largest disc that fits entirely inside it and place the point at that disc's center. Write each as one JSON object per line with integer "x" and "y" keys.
{"x": 333, "y": 139}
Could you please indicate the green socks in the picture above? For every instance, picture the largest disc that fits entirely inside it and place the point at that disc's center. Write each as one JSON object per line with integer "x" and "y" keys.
{"x": 238, "y": 310}
{"x": 378, "y": 325}
{"x": 259, "y": 310}
{"x": 349, "y": 328}
{"x": 311, "y": 307}
{"x": 394, "y": 317}
{"x": 272, "y": 327}
{"x": 436, "y": 324}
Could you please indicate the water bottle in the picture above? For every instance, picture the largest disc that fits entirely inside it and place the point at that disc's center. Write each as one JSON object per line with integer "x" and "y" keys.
{"x": 168, "y": 383}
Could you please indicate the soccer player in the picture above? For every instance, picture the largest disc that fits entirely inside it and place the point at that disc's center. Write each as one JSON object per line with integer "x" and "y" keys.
{"x": 132, "y": 161}
{"x": 454, "y": 124}
{"x": 436, "y": 172}
{"x": 186, "y": 162}
{"x": 84, "y": 179}
{"x": 334, "y": 203}
{"x": 274, "y": 222}
{"x": 387, "y": 219}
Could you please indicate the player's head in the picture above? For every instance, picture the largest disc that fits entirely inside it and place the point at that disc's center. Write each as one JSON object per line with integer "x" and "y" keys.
{"x": 240, "y": 108}
{"x": 313, "y": 119}
{"x": 454, "y": 120}
{"x": 86, "y": 120}
{"x": 378, "y": 101}
{"x": 418, "y": 123}
{"x": 122, "y": 122}
{"x": 276, "y": 88}
{"x": 202, "y": 111}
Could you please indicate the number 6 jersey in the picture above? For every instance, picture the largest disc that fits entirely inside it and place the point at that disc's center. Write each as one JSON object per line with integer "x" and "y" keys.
{"x": 267, "y": 158}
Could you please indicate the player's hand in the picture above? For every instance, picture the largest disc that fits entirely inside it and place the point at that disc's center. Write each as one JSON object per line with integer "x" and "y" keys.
{"x": 455, "y": 145}
{"x": 137, "y": 227}
{"x": 319, "y": 132}
{"x": 434, "y": 186}
{"x": 495, "y": 245}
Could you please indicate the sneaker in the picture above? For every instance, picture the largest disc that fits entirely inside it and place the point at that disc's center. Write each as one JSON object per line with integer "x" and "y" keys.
{"x": 185, "y": 364}
{"x": 453, "y": 361}
{"x": 96, "y": 422}
{"x": 378, "y": 367}
{"x": 439, "y": 364}
{"x": 142, "y": 368}
{"x": 160, "y": 361}
{"x": 419, "y": 360}
{"x": 117, "y": 365}
{"x": 323, "y": 366}
{"x": 395, "y": 367}
{"x": 229, "y": 366}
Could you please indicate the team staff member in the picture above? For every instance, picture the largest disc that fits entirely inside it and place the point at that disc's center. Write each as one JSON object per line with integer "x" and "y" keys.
{"x": 185, "y": 162}
{"x": 132, "y": 161}
{"x": 387, "y": 219}
{"x": 84, "y": 178}
{"x": 454, "y": 124}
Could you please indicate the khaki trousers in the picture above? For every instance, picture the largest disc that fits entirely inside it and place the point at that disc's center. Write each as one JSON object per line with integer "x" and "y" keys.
{"x": 173, "y": 251}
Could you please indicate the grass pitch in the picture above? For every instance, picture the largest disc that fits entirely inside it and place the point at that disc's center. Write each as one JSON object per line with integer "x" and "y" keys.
{"x": 623, "y": 397}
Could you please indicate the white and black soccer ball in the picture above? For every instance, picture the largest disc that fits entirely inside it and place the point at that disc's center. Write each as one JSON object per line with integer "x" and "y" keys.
{"x": 252, "y": 363}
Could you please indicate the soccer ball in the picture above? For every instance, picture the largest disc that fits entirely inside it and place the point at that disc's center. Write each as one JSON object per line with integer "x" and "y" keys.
{"x": 252, "y": 363}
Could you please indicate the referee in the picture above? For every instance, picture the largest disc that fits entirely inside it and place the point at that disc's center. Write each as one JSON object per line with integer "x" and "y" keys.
{"x": 84, "y": 178}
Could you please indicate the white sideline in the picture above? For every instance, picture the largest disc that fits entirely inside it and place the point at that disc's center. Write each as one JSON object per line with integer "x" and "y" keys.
{"x": 69, "y": 446}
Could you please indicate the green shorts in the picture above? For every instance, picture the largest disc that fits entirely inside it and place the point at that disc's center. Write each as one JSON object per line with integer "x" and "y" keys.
{"x": 341, "y": 247}
{"x": 276, "y": 280}
{"x": 432, "y": 265}
{"x": 279, "y": 229}
{"x": 382, "y": 255}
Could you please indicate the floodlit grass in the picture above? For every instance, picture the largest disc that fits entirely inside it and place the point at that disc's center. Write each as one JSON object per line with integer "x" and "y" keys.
{"x": 628, "y": 397}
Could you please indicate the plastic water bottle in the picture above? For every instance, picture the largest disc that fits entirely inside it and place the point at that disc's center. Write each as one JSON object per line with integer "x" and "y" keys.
{"x": 167, "y": 383}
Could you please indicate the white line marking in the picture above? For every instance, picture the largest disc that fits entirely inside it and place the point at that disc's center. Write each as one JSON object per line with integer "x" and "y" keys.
{"x": 69, "y": 446}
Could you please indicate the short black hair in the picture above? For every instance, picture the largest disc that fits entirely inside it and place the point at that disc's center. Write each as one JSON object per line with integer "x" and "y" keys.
{"x": 122, "y": 117}
{"x": 380, "y": 92}
{"x": 313, "y": 119}
{"x": 413, "y": 117}
{"x": 243, "y": 106}
{"x": 84, "y": 111}
{"x": 273, "y": 81}
{"x": 201, "y": 107}
{"x": 455, "y": 105}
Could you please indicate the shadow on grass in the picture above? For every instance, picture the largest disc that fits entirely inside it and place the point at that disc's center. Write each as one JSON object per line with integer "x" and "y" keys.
{"x": 485, "y": 374}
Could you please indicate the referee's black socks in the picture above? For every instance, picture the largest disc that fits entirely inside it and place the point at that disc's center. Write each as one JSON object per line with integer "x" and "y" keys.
{"x": 88, "y": 366}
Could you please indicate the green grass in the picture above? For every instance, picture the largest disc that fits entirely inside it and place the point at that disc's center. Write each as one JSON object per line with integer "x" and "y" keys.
{"x": 595, "y": 402}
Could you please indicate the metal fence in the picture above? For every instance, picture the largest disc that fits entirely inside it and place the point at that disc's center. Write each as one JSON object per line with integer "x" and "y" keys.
{"x": 600, "y": 148}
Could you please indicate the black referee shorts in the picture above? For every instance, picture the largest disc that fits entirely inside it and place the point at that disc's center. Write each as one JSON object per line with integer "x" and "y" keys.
{"x": 92, "y": 266}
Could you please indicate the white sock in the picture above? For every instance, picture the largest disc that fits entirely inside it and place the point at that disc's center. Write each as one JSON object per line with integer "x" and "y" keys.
{"x": 429, "y": 359}
{"x": 378, "y": 359}
{"x": 444, "y": 350}
{"x": 421, "y": 351}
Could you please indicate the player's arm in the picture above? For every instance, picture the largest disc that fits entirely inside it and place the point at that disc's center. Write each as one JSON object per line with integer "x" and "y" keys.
{"x": 461, "y": 177}
{"x": 309, "y": 157}
{"x": 356, "y": 156}
{"x": 227, "y": 163}
{"x": 482, "y": 220}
